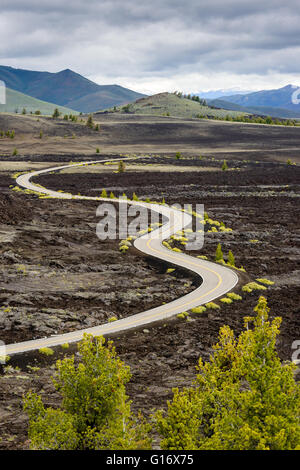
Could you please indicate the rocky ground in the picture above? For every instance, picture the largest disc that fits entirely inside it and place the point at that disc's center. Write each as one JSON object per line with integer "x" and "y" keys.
{"x": 55, "y": 275}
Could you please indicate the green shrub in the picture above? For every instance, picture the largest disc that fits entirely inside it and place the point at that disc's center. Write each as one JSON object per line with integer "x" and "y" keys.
{"x": 244, "y": 398}
{"x": 251, "y": 286}
{"x": 234, "y": 296}
{"x": 224, "y": 166}
{"x": 182, "y": 315}
{"x": 112, "y": 319}
{"x": 121, "y": 167}
{"x": 56, "y": 113}
{"x": 212, "y": 305}
{"x": 200, "y": 309}
{"x": 95, "y": 413}
{"x": 226, "y": 300}
{"x": 170, "y": 270}
{"x": 219, "y": 253}
{"x": 90, "y": 122}
{"x": 267, "y": 282}
{"x": 46, "y": 351}
{"x": 230, "y": 259}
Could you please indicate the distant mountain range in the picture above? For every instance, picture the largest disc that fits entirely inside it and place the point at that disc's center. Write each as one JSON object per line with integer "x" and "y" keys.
{"x": 72, "y": 91}
{"x": 277, "y": 103}
{"x": 67, "y": 88}
{"x": 213, "y": 94}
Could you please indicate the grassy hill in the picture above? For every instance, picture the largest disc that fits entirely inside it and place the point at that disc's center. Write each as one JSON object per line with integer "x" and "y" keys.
{"x": 16, "y": 101}
{"x": 66, "y": 88}
{"x": 169, "y": 104}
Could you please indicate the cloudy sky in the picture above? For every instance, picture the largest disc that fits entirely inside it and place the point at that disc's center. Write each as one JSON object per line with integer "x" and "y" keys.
{"x": 157, "y": 45}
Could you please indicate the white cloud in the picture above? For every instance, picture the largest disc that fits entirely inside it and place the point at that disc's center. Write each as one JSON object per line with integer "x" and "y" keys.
{"x": 157, "y": 46}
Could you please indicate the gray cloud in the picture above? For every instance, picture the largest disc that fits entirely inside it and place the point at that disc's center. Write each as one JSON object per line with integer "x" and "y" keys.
{"x": 164, "y": 38}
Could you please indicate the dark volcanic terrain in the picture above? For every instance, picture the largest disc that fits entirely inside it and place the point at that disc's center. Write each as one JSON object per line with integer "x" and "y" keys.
{"x": 55, "y": 275}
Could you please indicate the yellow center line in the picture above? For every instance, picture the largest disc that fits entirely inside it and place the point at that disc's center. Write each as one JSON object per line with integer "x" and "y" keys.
{"x": 135, "y": 319}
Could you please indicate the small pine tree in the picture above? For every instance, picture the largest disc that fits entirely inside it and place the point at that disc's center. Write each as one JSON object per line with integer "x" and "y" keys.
{"x": 134, "y": 197}
{"x": 219, "y": 253}
{"x": 121, "y": 167}
{"x": 104, "y": 193}
{"x": 95, "y": 413}
{"x": 244, "y": 398}
{"x": 90, "y": 122}
{"x": 224, "y": 166}
{"x": 15, "y": 152}
{"x": 24, "y": 111}
{"x": 231, "y": 260}
{"x": 56, "y": 113}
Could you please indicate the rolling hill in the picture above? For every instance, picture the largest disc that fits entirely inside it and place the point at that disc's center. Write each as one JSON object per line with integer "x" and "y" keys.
{"x": 169, "y": 104}
{"x": 66, "y": 88}
{"x": 16, "y": 101}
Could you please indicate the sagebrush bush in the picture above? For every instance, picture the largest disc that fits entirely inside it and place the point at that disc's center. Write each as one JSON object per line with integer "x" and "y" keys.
{"x": 251, "y": 286}
{"x": 212, "y": 305}
{"x": 200, "y": 309}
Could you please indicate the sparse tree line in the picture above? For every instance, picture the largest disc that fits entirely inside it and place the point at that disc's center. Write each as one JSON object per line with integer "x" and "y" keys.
{"x": 24, "y": 111}
{"x": 252, "y": 119}
{"x": 243, "y": 398}
{"x": 188, "y": 96}
{"x": 8, "y": 134}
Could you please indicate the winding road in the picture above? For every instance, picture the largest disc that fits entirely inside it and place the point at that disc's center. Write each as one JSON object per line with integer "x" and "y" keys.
{"x": 216, "y": 279}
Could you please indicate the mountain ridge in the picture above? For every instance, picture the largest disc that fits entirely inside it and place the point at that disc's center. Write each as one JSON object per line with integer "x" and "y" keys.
{"x": 275, "y": 98}
{"x": 66, "y": 88}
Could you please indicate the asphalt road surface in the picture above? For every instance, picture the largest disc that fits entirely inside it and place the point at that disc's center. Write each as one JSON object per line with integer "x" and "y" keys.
{"x": 216, "y": 279}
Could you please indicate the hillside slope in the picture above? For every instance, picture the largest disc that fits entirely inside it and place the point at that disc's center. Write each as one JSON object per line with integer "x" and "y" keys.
{"x": 66, "y": 88}
{"x": 16, "y": 101}
{"x": 169, "y": 104}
